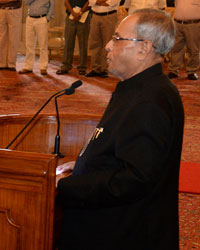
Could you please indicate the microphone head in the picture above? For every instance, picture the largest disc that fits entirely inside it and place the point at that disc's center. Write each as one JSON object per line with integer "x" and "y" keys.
{"x": 76, "y": 84}
{"x": 69, "y": 91}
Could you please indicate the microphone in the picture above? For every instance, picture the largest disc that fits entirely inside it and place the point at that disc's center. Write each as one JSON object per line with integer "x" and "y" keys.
{"x": 67, "y": 91}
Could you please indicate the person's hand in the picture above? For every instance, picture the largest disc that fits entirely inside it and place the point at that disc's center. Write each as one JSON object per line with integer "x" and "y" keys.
{"x": 76, "y": 16}
{"x": 69, "y": 166}
{"x": 61, "y": 169}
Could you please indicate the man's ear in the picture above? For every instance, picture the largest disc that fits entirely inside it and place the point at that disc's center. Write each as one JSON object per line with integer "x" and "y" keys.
{"x": 144, "y": 49}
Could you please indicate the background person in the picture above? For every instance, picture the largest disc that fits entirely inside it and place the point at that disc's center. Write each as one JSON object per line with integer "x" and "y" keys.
{"x": 39, "y": 14}
{"x": 104, "y": 20}
{"x": 187, "y": 19}
{"x": 10, "y": 30}
{"x": 73, "y": 28}
{"x": 139, "y": 4}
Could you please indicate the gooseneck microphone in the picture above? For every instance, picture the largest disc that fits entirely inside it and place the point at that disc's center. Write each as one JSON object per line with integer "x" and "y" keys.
{"x": 67, "y": 91}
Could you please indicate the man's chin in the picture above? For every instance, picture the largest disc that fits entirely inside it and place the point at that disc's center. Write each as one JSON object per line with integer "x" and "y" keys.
{"x": 112, "y": 71}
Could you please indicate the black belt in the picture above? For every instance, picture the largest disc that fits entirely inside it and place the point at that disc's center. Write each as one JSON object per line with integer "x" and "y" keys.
{"x": 187, "y": 21}
{"x": 9, "y": 8}
{"x": 104, "y": 13}
{"x": 38, "y": 16}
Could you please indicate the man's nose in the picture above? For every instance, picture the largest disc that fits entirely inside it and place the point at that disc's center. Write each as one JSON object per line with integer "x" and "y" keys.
{"x": 109, "y": 46}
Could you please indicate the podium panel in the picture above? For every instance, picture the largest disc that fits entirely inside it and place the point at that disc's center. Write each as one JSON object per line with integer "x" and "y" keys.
{"x": 27, "y": 191}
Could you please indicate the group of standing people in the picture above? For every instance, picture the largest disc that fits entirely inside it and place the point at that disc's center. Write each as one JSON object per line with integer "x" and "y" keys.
{"x": 93, "y": 21}
{"x": 101, "y": 29}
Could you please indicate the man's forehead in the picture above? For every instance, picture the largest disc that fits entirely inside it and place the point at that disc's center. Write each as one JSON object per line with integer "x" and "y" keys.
{"x": 126, "y": 26}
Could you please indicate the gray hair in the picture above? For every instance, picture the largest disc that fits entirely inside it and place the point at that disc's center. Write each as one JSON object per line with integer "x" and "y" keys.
{"x": 156, "y": 26}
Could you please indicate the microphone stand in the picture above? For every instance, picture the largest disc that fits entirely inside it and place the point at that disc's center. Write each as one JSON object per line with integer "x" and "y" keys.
{"x": 34, "y": 117}
{"x": 67, "y": 91}
{"x": 57, "y": 138}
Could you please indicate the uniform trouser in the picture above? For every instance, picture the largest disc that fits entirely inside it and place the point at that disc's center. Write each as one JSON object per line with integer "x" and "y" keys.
{"x": 81, "y": 30}
{"x": 187, "y": 35}
{"x": 10, "y": 30}
{"x": 36, "y": 30}
{"x": 101, "y": 31}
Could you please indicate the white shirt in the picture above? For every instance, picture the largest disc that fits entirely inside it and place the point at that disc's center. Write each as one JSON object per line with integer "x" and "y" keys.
{"x": 187, "y": 9}
{"x": 140, "y": 4}
{"x": 113, "y": 5}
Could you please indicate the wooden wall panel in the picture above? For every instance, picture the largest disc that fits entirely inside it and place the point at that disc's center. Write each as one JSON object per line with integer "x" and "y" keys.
{"x": 40, "y": 135}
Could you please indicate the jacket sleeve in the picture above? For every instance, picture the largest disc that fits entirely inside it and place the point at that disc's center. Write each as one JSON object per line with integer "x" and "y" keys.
{"x": 141, "y": 148}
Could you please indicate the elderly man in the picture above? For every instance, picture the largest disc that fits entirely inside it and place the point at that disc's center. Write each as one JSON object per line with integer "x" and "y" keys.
{"x": 123, "y": 192}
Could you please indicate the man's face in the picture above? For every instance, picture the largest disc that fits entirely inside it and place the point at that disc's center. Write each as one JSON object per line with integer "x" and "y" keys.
{"x": 122, "y": 54}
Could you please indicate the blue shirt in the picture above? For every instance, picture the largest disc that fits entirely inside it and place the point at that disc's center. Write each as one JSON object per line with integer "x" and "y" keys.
{"x": 41, "y": 7}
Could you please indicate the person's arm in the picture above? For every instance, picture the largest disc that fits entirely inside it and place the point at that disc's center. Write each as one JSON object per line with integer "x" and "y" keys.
{"x": 51, "y": 11}
{"x": 137, "y": 164}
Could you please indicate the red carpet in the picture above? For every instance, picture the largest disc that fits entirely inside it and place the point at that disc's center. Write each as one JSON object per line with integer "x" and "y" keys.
{"x": 189, "y": 180}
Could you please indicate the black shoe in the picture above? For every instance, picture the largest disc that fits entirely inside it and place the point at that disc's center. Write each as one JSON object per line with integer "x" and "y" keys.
{"x": 104, "y": 74}
{"x": 3, "y": 68}
{"x": 172, "y": 75}
{"x": 82, "y": 72}
{"x": 25, "y": 71}
{"x": 43, "y": 72}
{"x": 193, "y": 76}
{"x": 61, "y": 72}
{"x": 92, "y": 74}
{"x": 12, "y": 69}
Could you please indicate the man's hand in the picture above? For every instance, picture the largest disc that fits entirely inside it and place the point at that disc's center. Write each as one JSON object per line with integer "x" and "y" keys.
{"x": 102, "y": 2}
{"x": 69, "y": 166}
{"x": 61, "y": 169}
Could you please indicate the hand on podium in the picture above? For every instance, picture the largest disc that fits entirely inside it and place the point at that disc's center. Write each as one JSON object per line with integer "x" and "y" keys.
{"x": 69, "y": 166}
{"x": 61, "y": 170}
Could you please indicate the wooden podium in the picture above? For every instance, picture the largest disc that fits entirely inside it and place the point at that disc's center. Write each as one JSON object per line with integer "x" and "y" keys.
{"x": 27, "y": 191}
{"x": 27, "y": 177}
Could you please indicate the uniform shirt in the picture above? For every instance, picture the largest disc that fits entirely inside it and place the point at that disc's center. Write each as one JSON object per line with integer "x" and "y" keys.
{"x": 41, "y": 7}
{"x": 78, "y": 3}
{"x": 16, "y": 4}
{"x": 139, "y": 4}
{"x": 187, "y": 9}
{"x": 113, "y": 5}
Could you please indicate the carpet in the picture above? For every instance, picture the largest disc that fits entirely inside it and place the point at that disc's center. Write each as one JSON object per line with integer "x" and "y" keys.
{"x": 189, "y": 179}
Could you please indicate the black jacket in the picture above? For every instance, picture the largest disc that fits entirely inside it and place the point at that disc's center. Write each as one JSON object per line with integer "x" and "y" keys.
{"x": 123, "y": 194}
